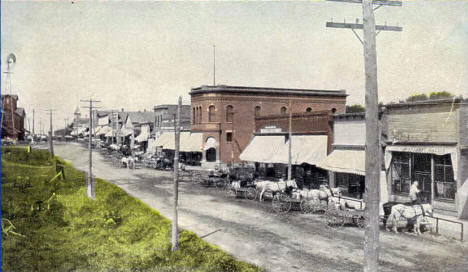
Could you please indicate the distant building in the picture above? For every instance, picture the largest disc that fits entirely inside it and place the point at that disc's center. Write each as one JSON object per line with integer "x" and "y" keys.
{"x": 165, "y": 116}
{"x": 226, "y": 114}
{"x": 80, "y": 126}
{"x": 12, "y": 118}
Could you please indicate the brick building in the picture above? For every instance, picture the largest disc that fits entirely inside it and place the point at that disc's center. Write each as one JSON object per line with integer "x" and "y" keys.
{"x": 12, "y": 118}
{"x": 226, "y": 114}
{"x": 310, "y": 123}
{"x": 165, "y": 114}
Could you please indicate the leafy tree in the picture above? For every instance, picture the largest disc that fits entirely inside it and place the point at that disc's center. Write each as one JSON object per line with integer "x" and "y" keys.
{"x": 430, "y": 96}
{"x": 355, "y": 108}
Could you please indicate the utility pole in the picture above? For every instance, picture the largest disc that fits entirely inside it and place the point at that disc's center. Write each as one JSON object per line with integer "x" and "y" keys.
{"x": 175, "y": 228}
{"x": 51, "y": 133}
{"x": 290, "y": 142}
{"x": 372, "y": 194}
{"x": 33, "y": 132}
{"x": 65, "y": 129}
{"x": 90, "y": 182}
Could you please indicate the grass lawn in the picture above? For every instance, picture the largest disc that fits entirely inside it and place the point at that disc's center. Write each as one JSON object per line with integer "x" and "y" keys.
{"x": 57, "y": 228}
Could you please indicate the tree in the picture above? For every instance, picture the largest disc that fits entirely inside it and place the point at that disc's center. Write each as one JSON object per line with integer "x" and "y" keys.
{"x": 355, "y": 108}
{"x": 431, "y": 96}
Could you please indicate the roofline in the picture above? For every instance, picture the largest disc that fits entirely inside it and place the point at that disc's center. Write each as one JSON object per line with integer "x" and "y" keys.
{"x": 428, "y": 102}
{"x": 226, "y": 88}
{"x": 162, "y": 106}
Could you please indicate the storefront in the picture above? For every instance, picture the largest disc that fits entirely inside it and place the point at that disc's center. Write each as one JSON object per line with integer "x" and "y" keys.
{"x": 346, "y": 171}
{"x": 434, "y": 168}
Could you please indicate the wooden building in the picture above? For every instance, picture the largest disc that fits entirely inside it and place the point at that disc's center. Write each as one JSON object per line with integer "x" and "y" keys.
{"x": 226, "y": 114}
{"x": 428, "y": 143}
{"x": 346, "y": 162}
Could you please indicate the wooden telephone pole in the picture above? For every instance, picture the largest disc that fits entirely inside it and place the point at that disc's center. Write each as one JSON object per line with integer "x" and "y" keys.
{"x": 372, "y": 195}
{"x": 90, "y": 181}
{"x": 51, "y": 133}
{"x": 290, "y": 142}
{"x": 175, "y": 228}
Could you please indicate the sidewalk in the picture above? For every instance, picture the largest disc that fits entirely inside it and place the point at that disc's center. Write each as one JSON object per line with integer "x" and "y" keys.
{"x": 450, "y": 229}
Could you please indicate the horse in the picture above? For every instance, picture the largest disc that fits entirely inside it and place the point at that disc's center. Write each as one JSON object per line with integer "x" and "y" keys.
{"x": 321, "y": 194}
{"x": 274, "y": 186}
{"x": 415, "y": 214}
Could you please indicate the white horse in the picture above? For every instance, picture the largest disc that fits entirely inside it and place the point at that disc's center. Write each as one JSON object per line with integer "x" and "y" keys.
{"x": 415, "y": 214}
{"x": 321, "y": 194}
{"x": 274, "y": 186}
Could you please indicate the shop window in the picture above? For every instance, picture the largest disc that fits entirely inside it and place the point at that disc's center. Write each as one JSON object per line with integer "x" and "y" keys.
{"x": 283, "y": 110}
{"x": 229, "y": 113}
{"x": 401, "y": 180}
{"x": 228, "y": 137}
{"x": 445, "y": 186}
{"x": 211, "y": 113}
{"x": 351, "y": 185}
{"x": 257, "y": 111}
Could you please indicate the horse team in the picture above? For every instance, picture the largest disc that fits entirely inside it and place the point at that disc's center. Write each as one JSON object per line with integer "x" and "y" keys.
{"x": 397, "y": 216}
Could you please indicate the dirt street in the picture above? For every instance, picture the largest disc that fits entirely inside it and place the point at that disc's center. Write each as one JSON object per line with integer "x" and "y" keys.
{"x": 250, "y": 231}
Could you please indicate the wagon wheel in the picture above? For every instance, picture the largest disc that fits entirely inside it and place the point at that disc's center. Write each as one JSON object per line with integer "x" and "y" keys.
{"x": 281, "y": 203}
{"x": 251, "y": 193}
{"x": 305, "y": 206}
{"x": 230, "y": 192}
{"x": 361, "y": 222}
{"x": 334, "y": 218}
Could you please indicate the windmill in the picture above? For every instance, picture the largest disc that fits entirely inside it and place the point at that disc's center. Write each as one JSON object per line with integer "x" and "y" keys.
{"x": 10, "y": 64}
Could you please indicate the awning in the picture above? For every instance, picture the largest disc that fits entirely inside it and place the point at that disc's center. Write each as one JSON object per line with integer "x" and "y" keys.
{"x": 110, "y": 133}
{"x": 189, "y": 142}
{"x": 425, "y": 149}
{"x": 263, "y": 148}
{"x": 309, "y": 149}
{"x": 144, "y": 134}
{"x": 103, "y": 130}
{"x": 345, "y": 161}
{"x": 124, "y": 132}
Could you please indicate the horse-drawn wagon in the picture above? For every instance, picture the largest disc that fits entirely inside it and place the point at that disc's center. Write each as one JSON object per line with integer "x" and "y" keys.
{"x": 339, "y": 217}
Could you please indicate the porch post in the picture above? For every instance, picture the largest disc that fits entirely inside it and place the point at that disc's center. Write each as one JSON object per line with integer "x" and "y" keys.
{"x": 432, "y": 180}
{"x": 331, "y": 179}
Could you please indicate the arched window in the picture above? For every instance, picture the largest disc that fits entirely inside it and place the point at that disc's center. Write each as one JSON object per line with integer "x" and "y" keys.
{"x": 283, "y": 110}
{"x": 257, "y": 111}
{"x": 333, "y": 110}
{"x": 211, "y": 113}
{"x": 229, "y": 113}
{"x": 200, "y": 115}
{"x": 309, "y": 109}
{"x": 193, "y": 115}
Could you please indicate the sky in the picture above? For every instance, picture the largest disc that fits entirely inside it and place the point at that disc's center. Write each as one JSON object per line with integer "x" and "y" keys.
{"x": 135, "y": 55}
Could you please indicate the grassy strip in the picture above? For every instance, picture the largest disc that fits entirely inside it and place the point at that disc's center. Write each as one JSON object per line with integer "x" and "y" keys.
{"x": 72, "y": 233}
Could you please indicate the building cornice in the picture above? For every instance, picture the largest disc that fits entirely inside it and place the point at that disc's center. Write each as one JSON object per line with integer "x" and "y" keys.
{"x": 266, "y": 90}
